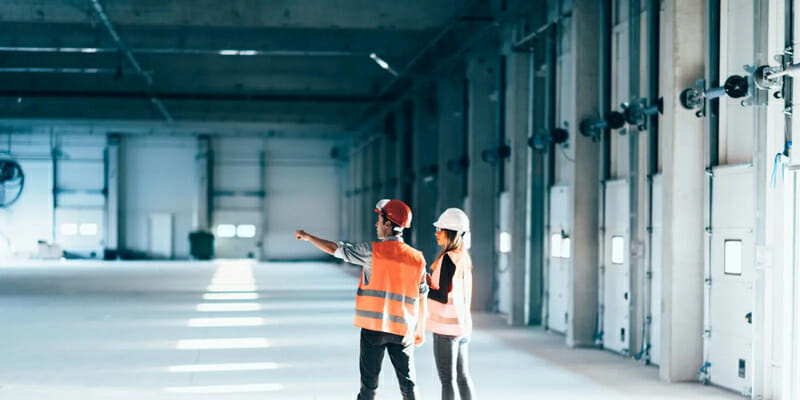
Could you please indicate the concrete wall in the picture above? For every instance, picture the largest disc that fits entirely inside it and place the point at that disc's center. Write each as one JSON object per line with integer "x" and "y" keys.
{"x": 158, "y": 193}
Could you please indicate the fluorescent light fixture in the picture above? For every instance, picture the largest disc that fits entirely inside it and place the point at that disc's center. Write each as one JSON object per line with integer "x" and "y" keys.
{"x": 250, "y": 388}
{"x": 88, "y": 50}
{"x": 617, "y": 250}
{"x": 212, "y": 307}
{"x": 566, "y": 247}
{"x": 555, "y": 245}
{"x": 226, "y": 230}
{"x": 231, "y": 287}
{"x": 230, "y": 296}
{"x": 88, "y": 229}
{"x": 210, "y": 344}
{"x": 262, "y": 366}
{"x": 383, "y": 64}
{"x": 228, "y": 52}
{"x": 505, "y": 242}
{"x": 733, "y": 257}
{"x": 246, "y": 231}
{"x": 248, "y": 52}
{"x": 225, "y": 322}
{"x": 68, "y": 229}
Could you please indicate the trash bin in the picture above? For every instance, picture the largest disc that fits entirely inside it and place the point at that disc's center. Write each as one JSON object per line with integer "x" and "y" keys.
{"x": 201, "y": 245}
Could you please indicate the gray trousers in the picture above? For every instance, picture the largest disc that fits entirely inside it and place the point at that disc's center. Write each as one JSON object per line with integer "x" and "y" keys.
{"x": 450, "y": 354}
{"x": 401, "y": 352}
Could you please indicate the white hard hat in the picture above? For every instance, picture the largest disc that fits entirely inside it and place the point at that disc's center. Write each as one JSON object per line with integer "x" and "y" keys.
{"x": 453, "y": 219}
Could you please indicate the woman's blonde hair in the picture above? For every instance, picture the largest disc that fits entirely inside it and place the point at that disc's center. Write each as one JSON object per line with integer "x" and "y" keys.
{"x": 455, "y": 241}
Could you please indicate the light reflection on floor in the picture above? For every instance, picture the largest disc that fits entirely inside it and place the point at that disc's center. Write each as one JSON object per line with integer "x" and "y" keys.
{"x": 190, "y": 330}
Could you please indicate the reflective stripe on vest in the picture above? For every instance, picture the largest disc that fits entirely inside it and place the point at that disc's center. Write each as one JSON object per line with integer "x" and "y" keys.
{"x": 453, "y": 318}
{"x": 390, "y": 302}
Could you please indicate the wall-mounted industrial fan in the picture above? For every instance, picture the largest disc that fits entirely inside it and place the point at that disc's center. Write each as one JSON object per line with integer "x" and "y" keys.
{"x": 12, "y": 180}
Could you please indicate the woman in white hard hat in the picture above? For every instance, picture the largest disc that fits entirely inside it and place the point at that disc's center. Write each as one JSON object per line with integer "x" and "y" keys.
{"x": 449, "y": 316}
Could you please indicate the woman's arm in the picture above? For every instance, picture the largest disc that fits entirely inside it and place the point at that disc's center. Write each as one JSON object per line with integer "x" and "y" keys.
{"x": 445, "y": 280}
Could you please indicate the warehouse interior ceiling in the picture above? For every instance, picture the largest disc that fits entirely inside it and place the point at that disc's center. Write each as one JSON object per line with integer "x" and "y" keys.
{"x": 284, "y": 63}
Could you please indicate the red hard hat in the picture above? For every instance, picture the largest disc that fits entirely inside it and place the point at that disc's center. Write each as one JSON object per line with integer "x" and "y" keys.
{"x": 395, "y": 211}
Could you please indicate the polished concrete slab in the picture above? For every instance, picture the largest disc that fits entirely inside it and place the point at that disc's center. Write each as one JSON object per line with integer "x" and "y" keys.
{"x": 236, "y": 330}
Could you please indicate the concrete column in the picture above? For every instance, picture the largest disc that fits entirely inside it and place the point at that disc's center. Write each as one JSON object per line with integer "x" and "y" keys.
{"x": 518, "y": 130}
{"x": 682, "y": 22}
{"x": 583, "y": 71}
{"x": 112, "y": 193}
{"x": 389, "y": 158}
{"x": 351, "y": 196}
{"x": 376, "y": 171}
{"x": 365, "y": 209}
{"x": 426, "y": 144}
{"x": 369, "y": 199}
{"x": 482, "y": 73}
{"x": 452, "y": 149}
{"x": 405, "y": 152}
{"x": 204, "y": 173}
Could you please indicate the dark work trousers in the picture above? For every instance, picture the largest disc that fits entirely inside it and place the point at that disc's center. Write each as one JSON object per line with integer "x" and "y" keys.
{"x": 373, "y": 345}
{"x": 450, "y": 353}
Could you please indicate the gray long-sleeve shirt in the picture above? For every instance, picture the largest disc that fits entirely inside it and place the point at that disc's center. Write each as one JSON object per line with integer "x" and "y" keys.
{"x": 361, "y": 254}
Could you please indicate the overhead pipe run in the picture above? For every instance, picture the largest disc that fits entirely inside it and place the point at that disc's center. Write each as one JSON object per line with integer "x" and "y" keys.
{"x": 98, "y": 8}
{"x": 593, "y": 127}
{"x": 735, "y": 87}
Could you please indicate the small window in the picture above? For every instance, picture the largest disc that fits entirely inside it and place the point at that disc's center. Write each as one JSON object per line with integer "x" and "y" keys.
{"x": 555, "y": 245}
{"x": 566, "y": 247}
{"x": 505, "y": 242}
{"x": 88, "y": 229}
{"x": 733, "y": 257}
{"x": 226, "y": 230}
{"x": 69, "y": 229}
{"x": 617, "y": 250}
{"x": 246, "y": 231}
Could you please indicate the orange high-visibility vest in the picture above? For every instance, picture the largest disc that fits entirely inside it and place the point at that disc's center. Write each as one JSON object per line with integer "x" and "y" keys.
{"x": 453, "y": 318}
{"x": 390, "y": 302}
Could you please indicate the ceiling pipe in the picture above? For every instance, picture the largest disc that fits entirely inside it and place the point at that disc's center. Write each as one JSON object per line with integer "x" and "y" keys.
{"x": 184, "y": 51}
{"x": 98, "y": 8}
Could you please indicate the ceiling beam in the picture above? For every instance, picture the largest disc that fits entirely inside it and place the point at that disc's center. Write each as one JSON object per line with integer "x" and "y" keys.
{"x": 244, "y": 97}
{"x": 101, "y": 13}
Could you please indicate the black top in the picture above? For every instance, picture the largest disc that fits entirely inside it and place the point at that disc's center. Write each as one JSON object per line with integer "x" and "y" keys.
{"x": 448, "y": 269}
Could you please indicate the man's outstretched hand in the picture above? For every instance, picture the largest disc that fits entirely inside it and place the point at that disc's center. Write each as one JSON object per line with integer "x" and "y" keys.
{"x": 300, "y": 234}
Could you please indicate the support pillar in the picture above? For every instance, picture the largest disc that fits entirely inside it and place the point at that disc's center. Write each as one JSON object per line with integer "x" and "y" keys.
{"x": 452, "y": 151}
{"x": 482, "y": 72}
{"x": 583, "y": 71}
{"x": 426, "y": 173}
{"x": 683, "y": 164}
{"x": 204, "y": 173}
{"x": 112, "y": 185}
{"x": 518, "y": 130}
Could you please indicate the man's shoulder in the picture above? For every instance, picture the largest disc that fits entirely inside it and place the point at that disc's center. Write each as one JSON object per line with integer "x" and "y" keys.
{"x": 401, "y": 247}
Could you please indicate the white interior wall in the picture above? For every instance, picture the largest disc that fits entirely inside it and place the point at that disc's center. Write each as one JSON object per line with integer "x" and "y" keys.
{"x": 157, "y": 177}
{"x": 30, "y": 219}
{"x": 303, "y": 191}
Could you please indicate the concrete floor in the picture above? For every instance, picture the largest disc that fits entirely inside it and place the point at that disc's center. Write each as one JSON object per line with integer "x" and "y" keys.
{"x": 84, "y": 330}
